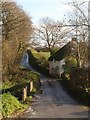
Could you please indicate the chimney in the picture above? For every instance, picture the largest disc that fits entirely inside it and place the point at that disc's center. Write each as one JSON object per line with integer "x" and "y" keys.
{"x": 74, "y": 42}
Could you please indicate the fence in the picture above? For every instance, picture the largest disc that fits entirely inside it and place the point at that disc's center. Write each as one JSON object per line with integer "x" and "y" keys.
{"x": 26, "y": 90}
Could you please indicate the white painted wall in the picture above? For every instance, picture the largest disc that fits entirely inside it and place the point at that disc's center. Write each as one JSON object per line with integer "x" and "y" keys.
{"x": 56, "y": 68}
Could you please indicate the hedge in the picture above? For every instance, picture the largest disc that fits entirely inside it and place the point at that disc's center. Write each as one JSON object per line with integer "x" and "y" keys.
{"x": 78, "y": 83}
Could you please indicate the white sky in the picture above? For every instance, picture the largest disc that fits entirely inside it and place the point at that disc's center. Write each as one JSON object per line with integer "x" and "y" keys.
{"x": 54, "y": 9}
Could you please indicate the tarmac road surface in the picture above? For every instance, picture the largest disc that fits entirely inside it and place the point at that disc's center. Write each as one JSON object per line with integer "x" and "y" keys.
{"x": 54, "y": 102}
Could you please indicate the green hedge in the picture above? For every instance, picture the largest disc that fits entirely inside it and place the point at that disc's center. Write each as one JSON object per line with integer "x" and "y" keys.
{"x": 34, "y": 63}
{"x": 77, "y": 82}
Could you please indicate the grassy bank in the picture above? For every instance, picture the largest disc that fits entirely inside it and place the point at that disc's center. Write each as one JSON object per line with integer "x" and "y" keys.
{"x": 12, "y": 92}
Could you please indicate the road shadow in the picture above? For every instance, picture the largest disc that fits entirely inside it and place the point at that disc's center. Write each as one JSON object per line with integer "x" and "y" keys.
{"x": 82, "y": 114}
{"x": 57, "y": 92}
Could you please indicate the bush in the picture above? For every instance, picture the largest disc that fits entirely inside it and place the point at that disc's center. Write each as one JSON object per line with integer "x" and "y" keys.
{"x": 10, "y": 104}
{"x": 34, "y": 76}
{"x": 43, "y": 62}
{"x": 36, "y": 80}
{"x": 54, "y": 50}
{"x": 71, "y": 62}
{"x": 21, "y": 80}
{"x": 76, "y": 80}
{"x": 28, "y": 100}
{"x": 65, "y": 76}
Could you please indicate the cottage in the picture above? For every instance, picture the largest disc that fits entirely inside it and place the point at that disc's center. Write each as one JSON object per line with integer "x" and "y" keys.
{"x": 57, "y": 60}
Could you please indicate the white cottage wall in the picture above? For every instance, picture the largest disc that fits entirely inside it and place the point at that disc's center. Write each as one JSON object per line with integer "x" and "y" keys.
{"x": 56, "y": 67}
{"x": 62, "y": 62}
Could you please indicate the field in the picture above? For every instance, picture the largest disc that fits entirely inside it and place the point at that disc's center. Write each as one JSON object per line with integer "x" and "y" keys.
{"x": 40, "y": 54}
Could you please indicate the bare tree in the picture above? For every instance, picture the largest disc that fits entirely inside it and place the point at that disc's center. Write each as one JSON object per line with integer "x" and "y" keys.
{"x": 79, "y": 19}
{"x": 16, "y": 31}
{"x": 49, "y": 34}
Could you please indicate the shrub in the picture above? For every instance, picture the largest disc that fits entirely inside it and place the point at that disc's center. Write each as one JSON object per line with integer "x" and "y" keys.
{"x": 43, "y": 61}
{"x": 77, "y": 83}
{"x": 10, "y": 104}
{"x": 71, "y": 62}
{"x": 28, "y": 100}
{"x": 54, "y": 50}
{"x": 21, "y": 80}
{"x": 34, "y": 76}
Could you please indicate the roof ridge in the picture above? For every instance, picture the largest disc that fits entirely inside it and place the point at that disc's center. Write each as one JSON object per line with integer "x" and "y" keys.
{"x": 61, "y": 52}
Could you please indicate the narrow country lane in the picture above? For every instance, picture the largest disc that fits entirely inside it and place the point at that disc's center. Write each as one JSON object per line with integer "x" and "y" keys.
{"x": 54, "y": 102}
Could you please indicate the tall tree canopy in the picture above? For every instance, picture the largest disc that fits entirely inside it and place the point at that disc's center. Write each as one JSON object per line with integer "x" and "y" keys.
{"x": 16, "y": 31}
{"x": 49, "y": 33}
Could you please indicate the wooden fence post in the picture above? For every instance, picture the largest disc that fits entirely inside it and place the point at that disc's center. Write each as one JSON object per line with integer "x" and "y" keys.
{"x": 24, "y": 94}
{"x": 31, "y": 85}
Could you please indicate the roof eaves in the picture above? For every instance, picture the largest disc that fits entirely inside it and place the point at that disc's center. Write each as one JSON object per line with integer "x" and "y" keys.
{"x": 61, "y": 53}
